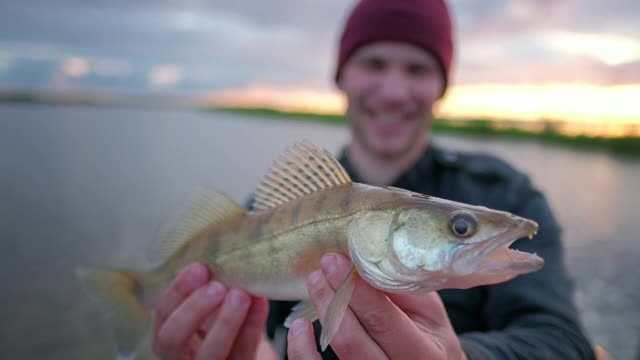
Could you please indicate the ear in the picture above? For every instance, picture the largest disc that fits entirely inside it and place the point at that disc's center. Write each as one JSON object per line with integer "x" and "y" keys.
{"x": 436, "y": 107}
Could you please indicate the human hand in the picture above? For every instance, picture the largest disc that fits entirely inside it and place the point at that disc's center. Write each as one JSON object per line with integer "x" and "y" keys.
{"x": 198, "y": 318}
{"x": 376, "y": 325}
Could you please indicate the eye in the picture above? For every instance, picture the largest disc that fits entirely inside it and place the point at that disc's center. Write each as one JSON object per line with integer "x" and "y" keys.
{"x": 373, "y": 64}
{"x": 416, "y": 69}
{"x": 463, "y": 225}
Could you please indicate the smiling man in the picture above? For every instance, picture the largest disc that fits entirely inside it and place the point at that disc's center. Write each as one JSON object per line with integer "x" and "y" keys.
{"x": 393, "y": 66}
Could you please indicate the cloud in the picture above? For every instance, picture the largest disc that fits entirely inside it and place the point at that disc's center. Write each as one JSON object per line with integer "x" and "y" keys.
{"x": 75, "y": 67}
{"x": 34, "y": 51}
{"x": 610, "y": 49}
{"x": 628, "y": 73}
{"x": 220, "y": 44}
{"x": 112, "y": 68}
{"x": 569, "y": 69}
{"x": 165, "y": 75}
{"x": 5, "y": 64}
{"x": 505, "y": 18}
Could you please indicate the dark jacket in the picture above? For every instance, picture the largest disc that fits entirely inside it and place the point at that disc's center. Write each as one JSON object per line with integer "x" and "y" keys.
{"x": 529, "y": 317}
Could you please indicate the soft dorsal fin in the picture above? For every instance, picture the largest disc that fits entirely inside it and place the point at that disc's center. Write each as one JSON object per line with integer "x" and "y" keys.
{"x": 302, "y": 169}
{"x": 209, "y": 210}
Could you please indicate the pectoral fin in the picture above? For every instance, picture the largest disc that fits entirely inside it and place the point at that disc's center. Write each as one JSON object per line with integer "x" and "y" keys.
{"x": 337, "y": 308}
{"x": 302, "y": 309}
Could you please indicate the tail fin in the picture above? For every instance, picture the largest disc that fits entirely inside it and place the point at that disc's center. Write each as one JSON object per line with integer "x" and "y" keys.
{"x": 117, "y": 295}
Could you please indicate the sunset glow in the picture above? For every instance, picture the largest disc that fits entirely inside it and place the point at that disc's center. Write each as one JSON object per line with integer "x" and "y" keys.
{"x": 610, "y": 49}
{"x": 610, "y": 110}
{"x": 528, "y": 62}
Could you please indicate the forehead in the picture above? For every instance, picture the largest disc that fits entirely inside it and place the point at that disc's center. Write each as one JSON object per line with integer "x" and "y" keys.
{"x": 392, "y": 50}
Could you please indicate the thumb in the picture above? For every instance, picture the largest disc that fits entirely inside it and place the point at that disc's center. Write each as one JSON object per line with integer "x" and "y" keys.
{"x": 425, "y": 308}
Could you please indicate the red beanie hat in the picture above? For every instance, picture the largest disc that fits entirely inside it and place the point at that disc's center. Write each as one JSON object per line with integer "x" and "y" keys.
{"x": 423, "y": 23}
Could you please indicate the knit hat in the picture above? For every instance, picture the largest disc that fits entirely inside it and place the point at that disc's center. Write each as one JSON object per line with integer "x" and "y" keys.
{"x": 423, "y": 23}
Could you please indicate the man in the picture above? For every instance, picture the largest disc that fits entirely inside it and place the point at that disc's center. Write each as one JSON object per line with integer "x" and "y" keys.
{"x": 393, "y": 65}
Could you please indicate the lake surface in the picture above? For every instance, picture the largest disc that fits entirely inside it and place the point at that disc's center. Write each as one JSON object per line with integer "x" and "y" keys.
{"x": 84, "y": 185}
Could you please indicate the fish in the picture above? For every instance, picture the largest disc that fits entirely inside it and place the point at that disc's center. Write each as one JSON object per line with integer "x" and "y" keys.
{"x": 307, "y": 206}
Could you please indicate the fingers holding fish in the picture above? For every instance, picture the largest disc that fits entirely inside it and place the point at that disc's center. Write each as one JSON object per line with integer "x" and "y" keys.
{"x": 426, "y": 310}
{"x": 381, "y": 320}
{"x": 227, "y": 326}
{"x": 252, "y": 336}
{"x": 351, "y": 340}
{"x": 176, "y": 333}
{"x": 301, "y": 341}
{"x": 393, "y": 329}
{"x": 430, "y": 317}
{"x": 190, "y": 278}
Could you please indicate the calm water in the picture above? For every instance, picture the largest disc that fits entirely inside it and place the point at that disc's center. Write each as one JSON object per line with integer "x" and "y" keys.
{"x": 83, "y": 185}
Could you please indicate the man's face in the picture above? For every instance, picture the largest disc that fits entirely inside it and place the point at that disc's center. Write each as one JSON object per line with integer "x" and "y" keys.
{"x": 390, "y": 89}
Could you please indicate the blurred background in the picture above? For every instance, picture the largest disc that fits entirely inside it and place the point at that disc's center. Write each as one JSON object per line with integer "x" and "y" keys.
{"x": 114, "y": 113}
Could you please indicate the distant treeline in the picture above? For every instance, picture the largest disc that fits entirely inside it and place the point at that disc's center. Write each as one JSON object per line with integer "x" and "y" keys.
{"x": 89, "y": 99}
{"x": 545, "y": 131}
{"x": 50, "y": 99}
{"x": 548, "y": 131}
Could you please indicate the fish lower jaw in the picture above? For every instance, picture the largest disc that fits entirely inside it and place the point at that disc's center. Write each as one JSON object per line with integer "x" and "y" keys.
{"x": 502, "y": 260}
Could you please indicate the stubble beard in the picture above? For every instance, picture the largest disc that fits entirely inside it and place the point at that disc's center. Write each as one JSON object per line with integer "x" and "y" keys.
{"x": 420, "y": 138}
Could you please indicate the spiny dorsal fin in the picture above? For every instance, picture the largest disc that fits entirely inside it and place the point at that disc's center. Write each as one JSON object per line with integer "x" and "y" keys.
{"x": 302, "y": 169}
{"x": 209, "y": 210}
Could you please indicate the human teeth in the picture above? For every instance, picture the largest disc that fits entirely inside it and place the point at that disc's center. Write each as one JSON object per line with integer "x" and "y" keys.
{"x": 387, "y": 118}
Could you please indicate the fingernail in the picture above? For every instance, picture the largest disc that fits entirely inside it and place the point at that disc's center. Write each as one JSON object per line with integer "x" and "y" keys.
{"x": 328, "y": 264}
{"x": 314, "y": 278}
{"x": 215, "y": 289}
{"x": 196, "y": 273}
{"x": 298, "y": 327}
{"x": 239, "y": 300}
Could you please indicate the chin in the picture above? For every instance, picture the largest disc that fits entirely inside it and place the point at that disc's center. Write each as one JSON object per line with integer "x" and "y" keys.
{"x": 389, "y": 149}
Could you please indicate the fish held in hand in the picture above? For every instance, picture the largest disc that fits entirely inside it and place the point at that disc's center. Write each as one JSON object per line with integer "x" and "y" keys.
{"x": 306, "y": 206}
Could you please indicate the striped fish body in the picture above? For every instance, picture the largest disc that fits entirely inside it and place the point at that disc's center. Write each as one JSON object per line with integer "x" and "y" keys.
{"x": 307, "y": 206}
{"x": 270, "y": 252}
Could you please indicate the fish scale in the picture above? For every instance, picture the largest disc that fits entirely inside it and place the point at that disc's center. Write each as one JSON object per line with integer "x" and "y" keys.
{"x": 307, "y": 206}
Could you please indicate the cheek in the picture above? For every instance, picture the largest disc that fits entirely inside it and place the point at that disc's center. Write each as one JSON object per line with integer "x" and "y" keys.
{"x": 357, "y": 84}
{"x": 427, "y": 93}
{"x": 420, "y": 256}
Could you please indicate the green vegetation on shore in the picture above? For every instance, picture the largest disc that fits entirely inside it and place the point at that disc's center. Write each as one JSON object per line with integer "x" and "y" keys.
{"x": 549, "y": 132}
{"x": 545, "y": 131}
{"x": 332, "y": 119}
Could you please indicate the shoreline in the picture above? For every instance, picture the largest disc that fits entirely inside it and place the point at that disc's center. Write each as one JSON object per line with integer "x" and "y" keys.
{"x": 545, "y": 132}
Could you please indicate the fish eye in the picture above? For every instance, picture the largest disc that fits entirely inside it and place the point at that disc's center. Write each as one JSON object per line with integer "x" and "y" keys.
{"x": 463, "y": 225}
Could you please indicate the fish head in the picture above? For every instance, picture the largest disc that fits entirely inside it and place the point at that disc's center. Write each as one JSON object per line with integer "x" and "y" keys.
{"x": 431, "y": 244}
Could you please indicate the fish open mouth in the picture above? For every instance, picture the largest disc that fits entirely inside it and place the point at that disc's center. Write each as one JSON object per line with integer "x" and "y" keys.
{"x": 493, "y": 255}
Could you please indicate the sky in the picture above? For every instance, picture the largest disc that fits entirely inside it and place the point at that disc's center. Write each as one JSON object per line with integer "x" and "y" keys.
{"x": 575, "y": 60}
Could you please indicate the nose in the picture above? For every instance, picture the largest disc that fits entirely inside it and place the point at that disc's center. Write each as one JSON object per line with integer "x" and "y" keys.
{"x": 394, "y": 88}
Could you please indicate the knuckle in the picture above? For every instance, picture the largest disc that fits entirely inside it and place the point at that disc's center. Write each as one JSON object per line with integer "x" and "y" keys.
{"x": 375, "y": 322}
{"x": 350, "y": 346}
{"x": 295, "y": 352}
{"x": 319, "y": 292}
{"x": 343, "y": 343}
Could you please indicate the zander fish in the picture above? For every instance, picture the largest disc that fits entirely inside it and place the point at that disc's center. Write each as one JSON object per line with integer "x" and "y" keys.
{"x": 306, "y": 206}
